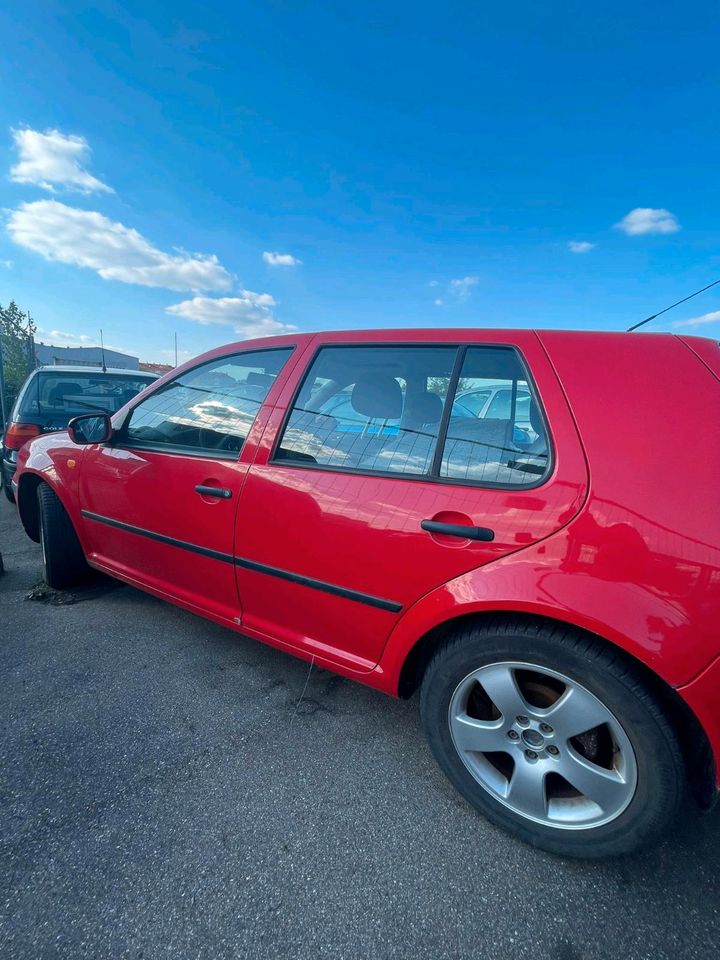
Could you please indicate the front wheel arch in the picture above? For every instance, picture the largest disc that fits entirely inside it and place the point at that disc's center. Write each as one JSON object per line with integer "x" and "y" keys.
{"x": 28, "y": 504}
{"x": 697, "y": 752}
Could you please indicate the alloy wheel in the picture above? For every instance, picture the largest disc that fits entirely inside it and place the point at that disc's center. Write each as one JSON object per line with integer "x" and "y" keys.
{"x": 543, "y": 745}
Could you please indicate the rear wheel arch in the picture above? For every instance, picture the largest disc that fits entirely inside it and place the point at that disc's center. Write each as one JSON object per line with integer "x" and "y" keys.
{"x": 697, "y": 752}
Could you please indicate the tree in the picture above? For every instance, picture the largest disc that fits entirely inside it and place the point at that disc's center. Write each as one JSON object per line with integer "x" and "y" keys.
{"x": 17, "y": 353}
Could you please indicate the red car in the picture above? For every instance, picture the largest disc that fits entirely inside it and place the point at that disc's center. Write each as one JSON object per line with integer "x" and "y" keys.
{"x": 551, "y": 588}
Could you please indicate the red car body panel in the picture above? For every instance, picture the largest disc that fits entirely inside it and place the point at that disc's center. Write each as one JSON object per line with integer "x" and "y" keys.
{"x": 708, "y": 352}
{"x": 363, "y": 532}
{"x": 622, "y": 539}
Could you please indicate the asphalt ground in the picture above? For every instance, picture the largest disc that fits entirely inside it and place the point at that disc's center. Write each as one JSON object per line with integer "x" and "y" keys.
{"x": 165, "y": 792}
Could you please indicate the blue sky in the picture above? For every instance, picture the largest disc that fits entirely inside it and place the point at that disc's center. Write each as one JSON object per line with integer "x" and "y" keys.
{"x": 413, "y": 164}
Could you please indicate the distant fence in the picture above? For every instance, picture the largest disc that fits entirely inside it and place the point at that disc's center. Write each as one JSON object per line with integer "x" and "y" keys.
{"x": 17, "y": 355}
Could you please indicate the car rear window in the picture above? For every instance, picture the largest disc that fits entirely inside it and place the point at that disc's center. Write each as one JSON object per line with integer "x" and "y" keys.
{"x": 52, "y": 399}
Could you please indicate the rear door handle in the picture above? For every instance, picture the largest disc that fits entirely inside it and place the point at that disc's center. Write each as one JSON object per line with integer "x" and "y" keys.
{"x": 458, "y": 530}
{"x": 221, "y": 492}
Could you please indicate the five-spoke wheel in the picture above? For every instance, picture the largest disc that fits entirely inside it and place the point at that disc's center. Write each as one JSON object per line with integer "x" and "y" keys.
{"x": 553, "y": 735}
{"x": 543, "y": 745}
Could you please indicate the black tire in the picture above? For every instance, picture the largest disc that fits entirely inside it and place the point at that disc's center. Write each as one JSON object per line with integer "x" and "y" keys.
{"x": 64, "y": 563}
{"x": 660, "y": 778}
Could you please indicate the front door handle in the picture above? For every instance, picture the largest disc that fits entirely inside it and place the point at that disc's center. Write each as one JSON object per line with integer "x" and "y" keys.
{"x": 222, "y": 492}
{"x": 458, "y": 530}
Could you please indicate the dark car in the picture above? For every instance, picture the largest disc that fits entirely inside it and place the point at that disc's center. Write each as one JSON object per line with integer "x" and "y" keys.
{"x": 51, "y": 396}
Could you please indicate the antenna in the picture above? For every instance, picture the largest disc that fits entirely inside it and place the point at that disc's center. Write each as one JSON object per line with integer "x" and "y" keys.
{"x": 677, "y": 303}
{"x": 102, "y": 349}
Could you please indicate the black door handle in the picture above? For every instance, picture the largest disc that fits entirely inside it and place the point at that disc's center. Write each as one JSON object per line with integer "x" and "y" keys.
{"x": 220, "y": 492}
{"x": 458, "y": 530}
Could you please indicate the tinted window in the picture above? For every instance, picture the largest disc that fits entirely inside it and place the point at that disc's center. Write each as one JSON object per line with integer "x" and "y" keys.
{"x": 506, "y": 442}
{"x": 210, "y": 408}
{"x": 53, "y": 398}
{"x": 374, "y": 409}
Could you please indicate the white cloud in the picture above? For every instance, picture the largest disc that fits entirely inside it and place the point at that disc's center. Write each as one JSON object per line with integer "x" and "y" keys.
{"x": 249, "y": 314}
{"x": 52, "y": 159}
{"x": 61, "y": 338}
{"x": 433, "y": 283}
{"x": 8, "y": 264}
{"x": 116, "y": 252}
{"x": 439, "y": 302}
{"x": 460, "y": 289}
{"x": 713, "y": 317}
{"x": 281, "y": 259}
{"x": 580, "y": 246}
{"x": 643, "y": 220}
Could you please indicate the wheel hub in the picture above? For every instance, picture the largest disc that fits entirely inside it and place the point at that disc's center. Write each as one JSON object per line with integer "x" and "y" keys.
{"x": 533, "y": 739}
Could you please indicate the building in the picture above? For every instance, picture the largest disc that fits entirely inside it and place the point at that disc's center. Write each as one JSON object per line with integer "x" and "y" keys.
{"x": 48, "y": 355}
{"x": 159, "y": 368}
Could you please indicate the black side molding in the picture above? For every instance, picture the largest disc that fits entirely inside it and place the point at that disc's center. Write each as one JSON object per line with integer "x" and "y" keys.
{"x": 380, "y": 602}
{"x": 458, "y": 530}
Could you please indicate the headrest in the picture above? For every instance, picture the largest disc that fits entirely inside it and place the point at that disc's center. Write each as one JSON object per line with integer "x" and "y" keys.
{"x": 63, "y": 389}
{"x": 377, "y": 396}
{"x": 425, "y": 407}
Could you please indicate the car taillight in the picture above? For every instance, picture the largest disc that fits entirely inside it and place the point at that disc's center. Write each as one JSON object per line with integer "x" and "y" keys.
{"x": 17, "y": 434}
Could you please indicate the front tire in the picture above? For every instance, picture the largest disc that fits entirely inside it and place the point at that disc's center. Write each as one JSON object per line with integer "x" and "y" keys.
{"x": 64, "y": 563}
{"x": 554, "y": 736}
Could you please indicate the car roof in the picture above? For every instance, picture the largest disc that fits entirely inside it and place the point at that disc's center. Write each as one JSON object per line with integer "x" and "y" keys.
{"x": 79, "y": 368}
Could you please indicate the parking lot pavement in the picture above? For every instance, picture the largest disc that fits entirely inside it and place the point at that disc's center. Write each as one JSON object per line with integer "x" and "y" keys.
{"x": 163, "y": 795}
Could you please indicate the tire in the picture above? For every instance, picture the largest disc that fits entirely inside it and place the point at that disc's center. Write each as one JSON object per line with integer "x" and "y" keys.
{"x": 628, "y": 767}
{"x": 64, "y": 563}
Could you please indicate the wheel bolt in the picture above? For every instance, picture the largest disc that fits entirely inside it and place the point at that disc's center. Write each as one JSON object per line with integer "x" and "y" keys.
{"x": 531, "y": 755}
{"x": 523, "y": 721}
{"x": 545, "y": 728}
{"x": 513, "y": 734}
{"x": 553, "y": 751}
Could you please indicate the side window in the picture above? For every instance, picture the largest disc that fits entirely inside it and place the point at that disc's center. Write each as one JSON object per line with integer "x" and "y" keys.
{"x": 209, "y": 409}
{"x": 506, "y": 442}
{"x": 379, "y": 409}
{"x": 373, "y": 409}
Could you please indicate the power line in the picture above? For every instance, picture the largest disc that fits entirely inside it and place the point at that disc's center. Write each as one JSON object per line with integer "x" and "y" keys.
{"x": 676, "y": 304}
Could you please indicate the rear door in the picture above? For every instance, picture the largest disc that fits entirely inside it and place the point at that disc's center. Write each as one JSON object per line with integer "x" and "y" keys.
{"x": 348, "y": 519}
{"x": 158, "y": 503}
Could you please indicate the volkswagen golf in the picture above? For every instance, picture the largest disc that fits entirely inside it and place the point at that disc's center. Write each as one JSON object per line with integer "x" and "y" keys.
{"x": 546, "y": 574}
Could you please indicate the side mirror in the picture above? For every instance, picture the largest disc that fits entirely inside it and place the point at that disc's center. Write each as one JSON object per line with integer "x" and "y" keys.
{"x": 90, "y": 428}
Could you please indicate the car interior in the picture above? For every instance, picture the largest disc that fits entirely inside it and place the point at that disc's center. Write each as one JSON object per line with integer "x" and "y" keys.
{"x": 408, "y": 387}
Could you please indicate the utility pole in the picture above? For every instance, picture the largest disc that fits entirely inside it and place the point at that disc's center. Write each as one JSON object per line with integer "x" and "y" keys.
{"x": 176, "y": 348}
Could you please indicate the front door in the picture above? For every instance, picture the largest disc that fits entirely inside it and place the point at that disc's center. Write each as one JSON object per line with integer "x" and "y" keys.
{"x": 380, "y": 486}
{"x": 158, "y": 503}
